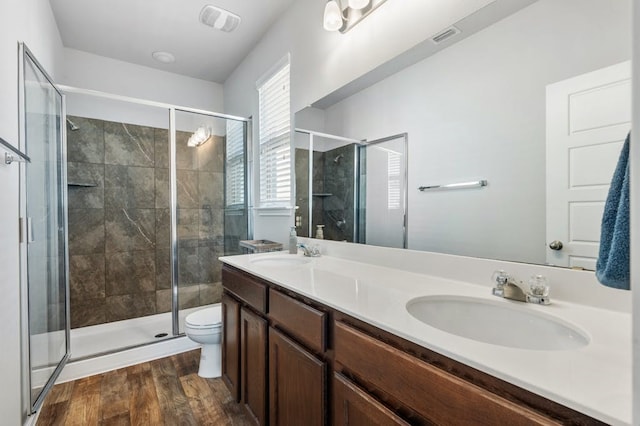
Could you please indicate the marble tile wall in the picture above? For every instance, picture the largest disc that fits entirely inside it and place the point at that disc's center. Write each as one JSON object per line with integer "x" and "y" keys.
{"x": 302, "y": 191}
{"x": 339, "y": 209}
{"x": 335, "y": 211}
{"x": 119, "y": 228}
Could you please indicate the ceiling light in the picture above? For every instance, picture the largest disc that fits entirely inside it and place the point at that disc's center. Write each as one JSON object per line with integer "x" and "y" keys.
{"x": 358, "y": 4}
{"x": 218, "y": 18}
{"x": 164, "y": 57}
{"x": 332, "y": 16}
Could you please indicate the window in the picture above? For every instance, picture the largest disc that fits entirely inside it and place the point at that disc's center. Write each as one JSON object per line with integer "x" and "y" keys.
{"x": 275, "y": 143}
{"x": 235, "y": 163}
{"x": 393, "y": 180}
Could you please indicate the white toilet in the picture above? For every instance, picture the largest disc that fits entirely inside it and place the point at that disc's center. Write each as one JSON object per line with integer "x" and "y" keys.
{"x": 205, "y": 327}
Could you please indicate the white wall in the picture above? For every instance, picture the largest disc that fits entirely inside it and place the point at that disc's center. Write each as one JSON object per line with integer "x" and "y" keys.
{"x": 30, "y": 21}
{"x": 88, "y": 71}
{"x": 476, "y": 110}
{"x": 322, "y": 62}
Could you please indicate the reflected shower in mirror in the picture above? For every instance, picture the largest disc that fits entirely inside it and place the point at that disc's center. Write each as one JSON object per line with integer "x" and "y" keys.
{"x": 351, "y": 190}
{"x": 536, "y": 103}
{"x": 326, "y": 167}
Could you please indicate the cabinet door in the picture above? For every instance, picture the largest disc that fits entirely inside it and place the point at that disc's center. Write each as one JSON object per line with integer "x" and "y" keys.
{"x": 231, "y": 345}
{"x": 253, "y": 365}
{"x": 297, "y": 383}
{"x": 354, "y": 407}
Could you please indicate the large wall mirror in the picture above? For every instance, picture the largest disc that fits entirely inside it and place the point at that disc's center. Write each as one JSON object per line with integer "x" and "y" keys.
{"x": 537, "y": 104}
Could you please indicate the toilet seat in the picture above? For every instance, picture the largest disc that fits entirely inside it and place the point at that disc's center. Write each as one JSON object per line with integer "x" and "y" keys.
{"x": 204, "y": 319}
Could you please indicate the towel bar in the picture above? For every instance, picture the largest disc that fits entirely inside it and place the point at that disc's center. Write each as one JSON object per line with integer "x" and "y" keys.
{"x": 9, "y": 157}
{"x": 462, "y": 185}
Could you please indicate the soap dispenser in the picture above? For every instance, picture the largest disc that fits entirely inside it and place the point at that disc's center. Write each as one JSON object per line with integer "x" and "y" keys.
{"x": 320, "y": 232}
{"x": 293, "y": 241}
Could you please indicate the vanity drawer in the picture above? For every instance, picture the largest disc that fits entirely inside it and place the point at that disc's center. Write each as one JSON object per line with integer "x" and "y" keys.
{"x": 433, "y": 393}
{"x": 246, "y": 288}
{"x": 301, "y": 321}
{"x": 354, "y": 407}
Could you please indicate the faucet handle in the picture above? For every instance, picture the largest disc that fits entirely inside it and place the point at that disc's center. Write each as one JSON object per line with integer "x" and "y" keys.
{"x": 539, "y": 285}
{"x": 500, "y": 277}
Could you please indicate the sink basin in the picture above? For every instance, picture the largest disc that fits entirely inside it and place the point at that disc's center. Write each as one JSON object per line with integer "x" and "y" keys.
{"x": 496, "y": 322}
{"x": 280, "y": 261}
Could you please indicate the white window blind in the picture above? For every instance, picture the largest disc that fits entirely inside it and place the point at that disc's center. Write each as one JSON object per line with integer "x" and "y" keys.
{"x": 393, "y": 180}
{"x": 235, "y": 163}
{"x": 275, "y": 144}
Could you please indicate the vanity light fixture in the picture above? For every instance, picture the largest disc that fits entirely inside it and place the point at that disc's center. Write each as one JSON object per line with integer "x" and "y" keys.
{"x": 199, "y": 137}
{"x": 342, "y": 18}
{"x": 358, "y": 4}
{"x": 332, "y": 16}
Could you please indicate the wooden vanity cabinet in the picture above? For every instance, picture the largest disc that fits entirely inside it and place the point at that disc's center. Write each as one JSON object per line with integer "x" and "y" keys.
{"x": 434, "y": 394}
{"x": 253, "y": 365}
{"x": 244, "y": 341}
{"x": 353, "y": 406}
{"x": 303, "y": 363}
{"x": 297, "y": 383}
{"x": 297, "y": 369}
{"x": 231, "y": 344}
{"x": 281, "y": 344}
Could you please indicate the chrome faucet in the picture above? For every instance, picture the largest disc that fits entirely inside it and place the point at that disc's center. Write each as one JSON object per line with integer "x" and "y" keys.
{"x": 312, "y": 251}
{"x": 507, "y": 288}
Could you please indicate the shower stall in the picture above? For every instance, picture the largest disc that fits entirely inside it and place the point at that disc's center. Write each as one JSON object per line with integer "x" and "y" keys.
{"x": 126, "y": 206}
{"x": 156, "y": 193}
{"x": 350, "y": 189}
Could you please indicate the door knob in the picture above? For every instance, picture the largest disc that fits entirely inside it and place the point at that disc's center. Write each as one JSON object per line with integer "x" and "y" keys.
{"x": 555, "y": 245}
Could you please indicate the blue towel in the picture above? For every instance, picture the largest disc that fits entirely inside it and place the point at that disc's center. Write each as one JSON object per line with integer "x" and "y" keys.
{"x": 612, "y": 268}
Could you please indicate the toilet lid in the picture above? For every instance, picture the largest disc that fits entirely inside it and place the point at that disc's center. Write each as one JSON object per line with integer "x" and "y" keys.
{"x": 204, "y": 318}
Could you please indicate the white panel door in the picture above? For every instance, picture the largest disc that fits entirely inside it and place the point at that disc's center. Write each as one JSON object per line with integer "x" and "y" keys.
{"x": 588, "y": 118}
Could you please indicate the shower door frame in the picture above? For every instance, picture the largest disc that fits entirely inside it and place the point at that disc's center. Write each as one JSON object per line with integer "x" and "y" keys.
{"x": 359, "y": 143}
{"x": 30, "y": 407}
{"x": 405, "y": 183}
{"x": 171, "y": 109}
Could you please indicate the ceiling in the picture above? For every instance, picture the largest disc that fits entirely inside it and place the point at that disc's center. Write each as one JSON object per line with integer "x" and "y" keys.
{"x": 130, "y": 30}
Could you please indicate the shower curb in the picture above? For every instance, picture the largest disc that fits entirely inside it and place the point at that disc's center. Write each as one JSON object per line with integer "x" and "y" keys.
{"x": 101, "y": 364}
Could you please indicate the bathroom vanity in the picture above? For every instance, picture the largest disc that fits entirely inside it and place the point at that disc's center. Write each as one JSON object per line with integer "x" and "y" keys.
{"x": 329, "y": 341}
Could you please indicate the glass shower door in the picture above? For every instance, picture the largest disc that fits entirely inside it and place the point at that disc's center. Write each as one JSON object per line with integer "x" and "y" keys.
{"x": 383, "y": 192}
{"x": 44, "y": 228}
{"x": 210, "y": 205}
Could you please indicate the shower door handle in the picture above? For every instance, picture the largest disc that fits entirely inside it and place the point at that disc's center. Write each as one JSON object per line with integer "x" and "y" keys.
{"x": 30, "y": 238}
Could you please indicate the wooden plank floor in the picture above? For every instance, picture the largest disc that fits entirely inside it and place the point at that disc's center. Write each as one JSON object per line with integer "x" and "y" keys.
{"x": 166, "y": 391}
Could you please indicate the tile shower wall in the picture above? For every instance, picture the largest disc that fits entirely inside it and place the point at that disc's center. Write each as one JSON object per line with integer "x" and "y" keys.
{"x": 334, "y": 189}
{"x": 339, "y": 181}
{"x": 119, "y": 221}
{"x": 302, "y": 190}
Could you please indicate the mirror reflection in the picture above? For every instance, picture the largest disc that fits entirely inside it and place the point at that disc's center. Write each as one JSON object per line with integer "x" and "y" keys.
{"x": 536, "y": 104}
{"x": 351, "y": 190}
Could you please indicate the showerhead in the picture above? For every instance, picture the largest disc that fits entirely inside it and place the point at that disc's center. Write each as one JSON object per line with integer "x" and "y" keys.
{"x": 338, "y": 157}
{"x": 72, "y": 125}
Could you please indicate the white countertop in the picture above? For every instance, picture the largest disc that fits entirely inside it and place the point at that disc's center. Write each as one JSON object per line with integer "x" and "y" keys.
{"x": 595, "y": 379}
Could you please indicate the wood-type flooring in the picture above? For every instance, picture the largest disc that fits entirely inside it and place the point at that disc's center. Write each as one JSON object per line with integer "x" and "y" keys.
{"x": 166, "y": 391}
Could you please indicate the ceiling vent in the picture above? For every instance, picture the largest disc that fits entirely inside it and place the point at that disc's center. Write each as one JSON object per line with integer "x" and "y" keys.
{"x": 219, "y": 19}
{"x": 445, "y": 35}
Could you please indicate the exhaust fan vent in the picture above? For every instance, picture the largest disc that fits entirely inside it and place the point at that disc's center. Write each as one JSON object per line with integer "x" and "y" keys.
{"x": 219, "y": 19}
{"x": 444, "y": 35}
